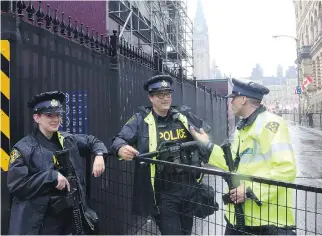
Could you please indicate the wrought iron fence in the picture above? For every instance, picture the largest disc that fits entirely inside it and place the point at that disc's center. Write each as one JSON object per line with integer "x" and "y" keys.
{"x": 102, "y": 77}
{"x": 103, "y": 90}
{"x": 306, "y": 207}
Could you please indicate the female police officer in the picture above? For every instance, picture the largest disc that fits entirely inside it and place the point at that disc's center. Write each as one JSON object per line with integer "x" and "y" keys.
{"x": 33, "y": 179}
{"x": 162, "y": 193}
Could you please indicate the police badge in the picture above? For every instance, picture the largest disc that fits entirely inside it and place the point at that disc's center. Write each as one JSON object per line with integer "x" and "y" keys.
{"x": 164, "y": 84}
{"x": 54, "y": 103}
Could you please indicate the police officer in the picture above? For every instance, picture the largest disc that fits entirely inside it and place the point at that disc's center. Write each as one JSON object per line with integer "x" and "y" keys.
{"x": 163, "y": 193}
{"x": 263, "y": 148}
{"x": 33, "y": 179}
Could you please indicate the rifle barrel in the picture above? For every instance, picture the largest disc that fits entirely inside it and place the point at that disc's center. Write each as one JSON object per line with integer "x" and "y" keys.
{"x": 149, "y": 154}
{"x": 156, "y": 153}
{"x": 188, "y": 144}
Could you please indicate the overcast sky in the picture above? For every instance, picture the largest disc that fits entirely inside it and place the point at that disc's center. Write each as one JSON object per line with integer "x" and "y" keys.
{"x": 240, "y": 34}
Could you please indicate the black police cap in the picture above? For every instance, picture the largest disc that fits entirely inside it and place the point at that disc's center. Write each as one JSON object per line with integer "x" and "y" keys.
{"x": 50, "y": 102}
{"x": 248, "y": 88}
{"x": 158, "y": 83}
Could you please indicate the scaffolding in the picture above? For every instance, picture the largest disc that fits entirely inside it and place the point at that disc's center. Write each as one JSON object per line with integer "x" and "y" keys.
{"x": 161, "y": 27}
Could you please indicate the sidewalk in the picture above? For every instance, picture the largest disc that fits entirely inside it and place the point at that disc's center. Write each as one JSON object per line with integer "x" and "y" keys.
{"x": 316, "y": 130}
{"x": 307, "y": 145}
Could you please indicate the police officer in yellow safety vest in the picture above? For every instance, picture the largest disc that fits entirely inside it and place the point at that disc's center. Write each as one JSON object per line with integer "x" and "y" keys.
{"x": 163, "y": 193}
{"x": 262, "y": 143}
{"x": 36, "y": 181}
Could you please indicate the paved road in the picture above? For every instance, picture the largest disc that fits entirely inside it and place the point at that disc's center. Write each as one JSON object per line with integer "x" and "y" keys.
{"x": 307, "y": 145}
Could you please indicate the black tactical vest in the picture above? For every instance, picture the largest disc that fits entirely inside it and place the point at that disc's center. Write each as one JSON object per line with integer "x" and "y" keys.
{"x": 171, "y": 129}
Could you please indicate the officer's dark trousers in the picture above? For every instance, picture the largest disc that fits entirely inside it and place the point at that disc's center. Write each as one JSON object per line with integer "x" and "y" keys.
{"x": 57, "y": 224}
{"x": 175, "y": 208}
{"x": 259, "y": 230}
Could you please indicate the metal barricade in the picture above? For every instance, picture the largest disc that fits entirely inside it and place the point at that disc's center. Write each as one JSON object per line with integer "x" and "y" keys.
{"x": 306, "y": 207}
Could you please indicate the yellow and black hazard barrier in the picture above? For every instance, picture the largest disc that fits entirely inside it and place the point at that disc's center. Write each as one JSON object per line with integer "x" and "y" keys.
{"x": 5, "y": 104}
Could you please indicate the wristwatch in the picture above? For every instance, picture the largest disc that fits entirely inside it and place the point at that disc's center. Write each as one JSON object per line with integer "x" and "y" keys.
{"x": 99, "y": 154}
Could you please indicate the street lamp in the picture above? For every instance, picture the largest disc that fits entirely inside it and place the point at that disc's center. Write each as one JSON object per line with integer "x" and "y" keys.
{"x": 298, "y": 67}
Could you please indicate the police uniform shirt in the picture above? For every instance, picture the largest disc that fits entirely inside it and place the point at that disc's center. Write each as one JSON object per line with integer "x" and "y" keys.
{"x": 170, "y": 129}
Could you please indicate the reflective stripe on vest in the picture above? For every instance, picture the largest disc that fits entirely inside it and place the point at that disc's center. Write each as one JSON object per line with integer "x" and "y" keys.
{"x": 259, "y": 123}
{"x": 152, "y": 142}
{"x": 61, "y": 142}
{"x": 61, "y": 139}
{"x": 257, "y": 156}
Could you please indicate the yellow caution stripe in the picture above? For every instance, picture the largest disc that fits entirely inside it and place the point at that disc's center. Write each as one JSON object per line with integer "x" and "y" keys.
{"x": 5, "y": 104}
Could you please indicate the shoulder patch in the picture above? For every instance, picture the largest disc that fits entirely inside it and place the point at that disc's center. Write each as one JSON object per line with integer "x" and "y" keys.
{"x": 14, "y": 154}
{"x": 272, "y": 126}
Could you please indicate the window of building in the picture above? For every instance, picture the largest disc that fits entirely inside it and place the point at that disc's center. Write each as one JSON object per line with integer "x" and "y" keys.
{"x": 312, "y": 33}
{"x": 316, "y": 23}
{"x": 319, "y": 17}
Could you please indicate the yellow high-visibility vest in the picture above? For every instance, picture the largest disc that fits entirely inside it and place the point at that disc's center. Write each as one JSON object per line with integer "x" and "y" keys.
{"x": 265, "y": 151}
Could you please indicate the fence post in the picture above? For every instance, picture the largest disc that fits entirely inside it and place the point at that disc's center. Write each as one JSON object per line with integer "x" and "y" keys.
{"x": 212, "y": 113}
{"x": 196, "y": 94}
{"x": 228, "y": 123}
{"x": 216, "y": 115}
{"x": 156, "y": 61}
{"x": 205, "y": 99}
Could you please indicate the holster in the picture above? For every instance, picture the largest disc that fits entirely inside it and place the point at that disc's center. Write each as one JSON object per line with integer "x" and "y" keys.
{"x": 204, "y": 203}
{"x": 63, "y": 203}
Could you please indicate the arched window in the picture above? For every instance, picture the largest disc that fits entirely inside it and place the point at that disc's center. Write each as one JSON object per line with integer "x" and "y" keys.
{"x": 314, "y": 73}
{"x": 312, "y": 33}
{"x": 307, "y": 35}
{"x": 318, "y": 72}
{"x": 316, "y": 23}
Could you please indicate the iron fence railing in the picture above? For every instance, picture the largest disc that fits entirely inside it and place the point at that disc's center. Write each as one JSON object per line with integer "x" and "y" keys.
{"x": 306, "y": 206}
